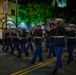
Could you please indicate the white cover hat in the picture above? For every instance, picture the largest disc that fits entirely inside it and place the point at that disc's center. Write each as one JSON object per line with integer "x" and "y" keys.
{"x": 59, "y": 19}
{"x": 72, "y": 25}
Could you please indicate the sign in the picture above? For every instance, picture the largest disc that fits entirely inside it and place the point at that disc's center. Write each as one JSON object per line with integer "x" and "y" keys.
{"x": 62, "y": 3}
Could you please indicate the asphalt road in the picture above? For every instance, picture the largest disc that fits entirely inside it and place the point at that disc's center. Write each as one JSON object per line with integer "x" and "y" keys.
{"x": 11, "y": 65}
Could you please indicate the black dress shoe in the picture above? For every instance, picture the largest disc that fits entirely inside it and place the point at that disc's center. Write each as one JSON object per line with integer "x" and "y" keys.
{"x": 54, "y": 55}
{"x": 32, "y": 62}
{"x": 18, "y": 56}
{"x": 46, "y": 50}
{"x": 32, "y": 50}
{"x": 6, "y": 51}
{"x": 12, "y": 53}
{"x": 49, "y": 57}
{"x": 27, "y": 55}
{"x": 54, "y": 71}
{"x": 68, "y": 63}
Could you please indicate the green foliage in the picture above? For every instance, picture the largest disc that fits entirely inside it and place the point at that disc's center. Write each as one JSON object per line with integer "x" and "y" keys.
{"x": 36, "y": 13}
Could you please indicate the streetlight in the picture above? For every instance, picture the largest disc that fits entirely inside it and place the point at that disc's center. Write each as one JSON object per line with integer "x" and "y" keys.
{"x": 16, "y": 12}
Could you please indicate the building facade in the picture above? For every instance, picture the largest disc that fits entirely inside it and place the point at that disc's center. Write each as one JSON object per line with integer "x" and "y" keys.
{"x": 11, "y": 13}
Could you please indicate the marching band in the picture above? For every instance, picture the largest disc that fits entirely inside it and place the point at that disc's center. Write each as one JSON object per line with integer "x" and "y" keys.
{"x": 56, "y": 38}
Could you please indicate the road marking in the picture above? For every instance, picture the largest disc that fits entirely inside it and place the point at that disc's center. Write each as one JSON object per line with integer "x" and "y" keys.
{"x": 33, "y": 66}
{"x": 27, "y": 70}
{"x": 36, "y": 68}
{"x": 21, "y": 71}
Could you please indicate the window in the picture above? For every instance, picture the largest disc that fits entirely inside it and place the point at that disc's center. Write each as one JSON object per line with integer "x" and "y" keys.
{"x": 13, "y": 12}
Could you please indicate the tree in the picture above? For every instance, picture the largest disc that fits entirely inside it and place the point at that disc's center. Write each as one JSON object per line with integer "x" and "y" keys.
{"x": 38, "y": 12}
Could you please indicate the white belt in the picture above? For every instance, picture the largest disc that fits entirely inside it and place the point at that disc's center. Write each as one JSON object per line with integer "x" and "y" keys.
{"x": 58, "y": 36}
{"x": 52, "y": 36}
{"x": 38, "y": 37}
{"x": 71, "y": 37}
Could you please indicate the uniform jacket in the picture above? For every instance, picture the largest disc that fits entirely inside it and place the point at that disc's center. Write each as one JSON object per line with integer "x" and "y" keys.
{"x": 71, "y": 37}
{"x": 59, "y": 40}
{"x": 38, "y": 37}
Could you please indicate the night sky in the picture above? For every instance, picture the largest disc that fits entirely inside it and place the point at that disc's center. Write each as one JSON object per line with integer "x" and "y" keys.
{"x": 70, "y": 3}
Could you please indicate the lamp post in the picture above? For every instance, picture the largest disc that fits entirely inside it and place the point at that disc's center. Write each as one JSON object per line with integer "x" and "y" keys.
{"x": 16, "y": 13}
{"x": 6, "y": 11}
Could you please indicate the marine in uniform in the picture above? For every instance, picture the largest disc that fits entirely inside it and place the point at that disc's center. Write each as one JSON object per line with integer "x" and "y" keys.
{"x": 15, "y": 41}
{"x": 70, "y": 42}
{"x": 47, "y": 36}
{"x": 59, "y": 43}
{"x": 5, "y": 40}
{"x": 23, "y": 41}
{"x": 29, "y": 44}
{"x": 75, "y": 37}
{"x": 51, "y": 42}
{"x": 9, "y": 41}
{"x": 38, "y": 44}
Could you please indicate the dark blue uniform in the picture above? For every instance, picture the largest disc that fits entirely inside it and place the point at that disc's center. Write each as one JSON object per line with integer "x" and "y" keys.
{"x": 23, "y": 41}
{"x": 75, "y": 39}
{"x": 47, "y": 42}
{"x": 70, "y": 45}
{"x": 59, "y": 43}
{"x": 15, "y": 43}
{"x": 29, "y": 45}
{"x": 9, "y": 41}
{"x": 5, "y": 41}
{"x": 38, "y": 43}
{"x": 52, "y": 48}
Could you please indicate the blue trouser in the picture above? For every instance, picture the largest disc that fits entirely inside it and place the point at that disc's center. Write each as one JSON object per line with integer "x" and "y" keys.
{"x": 30, "y": 46}
{"x": 38, "y": 52}
{"x": 59, "y": 51}
{"x": 22, "y": 48}
{"x": 9, "y": 43}
{"x": 52, "y": 49}
{"x": 47, "y": 44}
{"x": 16, "y": 46}
{"x": 70, "y": 53}
{"x": 4, "y": 45}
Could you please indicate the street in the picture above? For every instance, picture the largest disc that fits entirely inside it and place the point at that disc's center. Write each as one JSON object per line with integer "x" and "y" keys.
{"x": 11, "y": 65}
